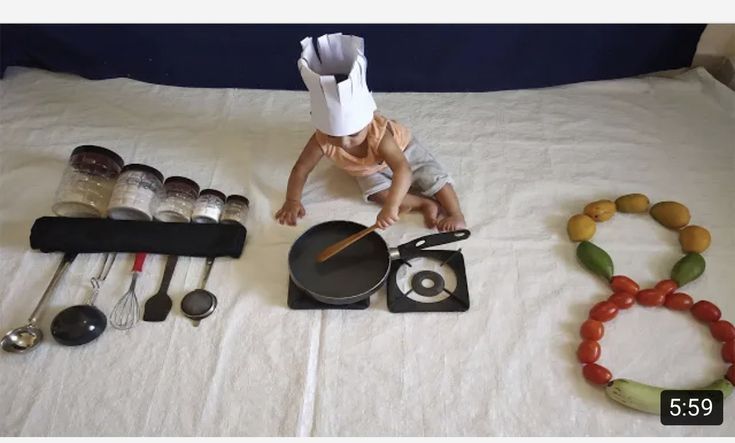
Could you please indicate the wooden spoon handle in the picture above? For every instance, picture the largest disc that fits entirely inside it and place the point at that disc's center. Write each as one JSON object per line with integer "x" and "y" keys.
{"x": 333, "y": 250}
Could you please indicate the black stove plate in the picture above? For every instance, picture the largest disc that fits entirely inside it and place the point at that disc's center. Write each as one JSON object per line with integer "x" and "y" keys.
{"x": 299, "y": 299}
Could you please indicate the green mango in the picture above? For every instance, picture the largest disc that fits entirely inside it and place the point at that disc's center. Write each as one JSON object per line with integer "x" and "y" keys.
{"x": 688, "y": 269}
{"x": 595, "y": 259}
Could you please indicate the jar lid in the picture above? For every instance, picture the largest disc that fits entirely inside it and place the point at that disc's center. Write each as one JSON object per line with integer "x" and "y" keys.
{"x": 242, "y": 198}
{"x": 184, "y": 180}
{"x": 144, "y": 168}
{"x": 213, "y": 192}
{"x": 84, "y": 149}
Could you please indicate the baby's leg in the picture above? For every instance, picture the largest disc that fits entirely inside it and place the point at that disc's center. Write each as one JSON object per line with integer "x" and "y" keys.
{"x": 412, "y": 202}
{"x": 454, "y": 218}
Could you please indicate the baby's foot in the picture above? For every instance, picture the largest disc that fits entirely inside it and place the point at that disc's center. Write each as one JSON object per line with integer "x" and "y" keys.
{"x": 451, "y": 223}
{"x": 430, "y": 209}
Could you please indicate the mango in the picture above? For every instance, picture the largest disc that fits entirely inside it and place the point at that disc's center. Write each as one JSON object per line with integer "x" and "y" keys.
{"x": 673, "y": 215}
{"x": 580, "y": 227}
{"x": 595, "y": 259}
{"x": 694, "y": 239}
{"x": 689, "y": 268}
{"x": 632, "y": 203}
{"x": 601, "y": 210}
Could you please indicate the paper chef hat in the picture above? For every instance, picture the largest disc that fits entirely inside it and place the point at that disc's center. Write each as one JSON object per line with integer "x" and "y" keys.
{"x": 337, "y": 108}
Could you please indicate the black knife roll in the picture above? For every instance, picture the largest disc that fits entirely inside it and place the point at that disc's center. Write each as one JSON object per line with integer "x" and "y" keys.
{"x": 92, "y": 235}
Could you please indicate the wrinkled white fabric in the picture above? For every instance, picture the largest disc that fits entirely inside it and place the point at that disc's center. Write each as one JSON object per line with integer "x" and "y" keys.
{"x": 523, "y": 161}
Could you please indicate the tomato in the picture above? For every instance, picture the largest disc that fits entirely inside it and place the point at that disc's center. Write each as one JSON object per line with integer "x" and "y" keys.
{"x": 588, "y": 351}
{"x": 650, "y": 297}
{"x": 600, "y": 375}
{"x": 621, "y": 283}
{"x": 666, "y": 286}
{"x": 722, "y": 330}
{"x": 731, "y": 374}
{"x": 728, "y": 351}
{"x": 705, "y": 311}
{"x": 623, "y": 300}
{"x": 678, "y": 301}
{"x": 592, "y": 330}
{"x": 604, "y": 311}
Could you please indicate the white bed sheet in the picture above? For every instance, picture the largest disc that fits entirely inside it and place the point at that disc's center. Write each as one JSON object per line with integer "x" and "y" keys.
{"x": 524, "y": 161}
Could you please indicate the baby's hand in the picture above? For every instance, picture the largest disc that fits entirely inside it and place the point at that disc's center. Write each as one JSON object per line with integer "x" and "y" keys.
{"x": 290, "y": 212}
{"x": 387, "y": 216}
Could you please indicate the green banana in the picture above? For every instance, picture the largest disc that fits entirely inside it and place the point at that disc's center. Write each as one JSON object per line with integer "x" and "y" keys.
{"x": 595, "y": 259}
{"x": 647, "y": 398}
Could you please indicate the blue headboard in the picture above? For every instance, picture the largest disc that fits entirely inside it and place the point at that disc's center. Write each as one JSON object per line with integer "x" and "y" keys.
{"x": 400, "y": 57}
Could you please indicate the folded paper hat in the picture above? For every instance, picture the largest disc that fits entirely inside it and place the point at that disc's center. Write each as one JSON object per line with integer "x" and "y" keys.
{"x": 337, "y": 108}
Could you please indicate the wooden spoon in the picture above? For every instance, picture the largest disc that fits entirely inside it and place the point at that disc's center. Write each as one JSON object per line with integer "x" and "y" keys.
{"x": 341, "y": 245}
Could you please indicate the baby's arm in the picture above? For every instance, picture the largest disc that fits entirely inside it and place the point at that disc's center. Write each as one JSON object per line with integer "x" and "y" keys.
{"x": 292, "y": 208}
{"x": 397, "y": 162}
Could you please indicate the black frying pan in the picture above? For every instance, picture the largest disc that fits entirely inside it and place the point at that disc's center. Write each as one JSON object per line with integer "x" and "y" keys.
{"x": 356, "y": 272}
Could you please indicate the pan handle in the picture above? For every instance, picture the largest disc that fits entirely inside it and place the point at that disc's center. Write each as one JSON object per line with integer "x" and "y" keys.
{"x": 429, "y": 241}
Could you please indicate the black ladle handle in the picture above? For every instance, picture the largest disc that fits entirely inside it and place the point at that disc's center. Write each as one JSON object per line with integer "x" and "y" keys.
{"x": 432, "y": 240}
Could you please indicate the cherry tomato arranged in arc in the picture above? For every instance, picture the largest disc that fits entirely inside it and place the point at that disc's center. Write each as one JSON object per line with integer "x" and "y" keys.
{"x": 666, "y": 286}
{"x": 592, "y": 330}
{"x": 604, "y": 311}
{"x": 679, "y": 301}
{"x": 650, "y": 297}
{"x": 728, "y": 351}
{"x": 706, "y": 311}
{"x": 722, "y": 330}
{"x": 599, "y": 375}
{"x": 588, "y": 351}
{"x": 731, "y": 374}
{"x": 621, "y": 283}
{"x": 623, "y": 300}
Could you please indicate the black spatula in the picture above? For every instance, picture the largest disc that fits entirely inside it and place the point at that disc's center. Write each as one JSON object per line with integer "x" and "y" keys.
{"x": 159, "y": 305}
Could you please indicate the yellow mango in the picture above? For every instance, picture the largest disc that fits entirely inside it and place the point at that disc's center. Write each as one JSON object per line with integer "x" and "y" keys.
{"x": 632, "y": 203}
{"x": 580, "y": 228}
{"x": 673, "y": 215}
{"x": 601, "y": 210}
{"x": 694, "y": 239}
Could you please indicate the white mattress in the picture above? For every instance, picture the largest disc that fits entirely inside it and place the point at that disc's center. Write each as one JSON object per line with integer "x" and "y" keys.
{"x": 524, "y": 161}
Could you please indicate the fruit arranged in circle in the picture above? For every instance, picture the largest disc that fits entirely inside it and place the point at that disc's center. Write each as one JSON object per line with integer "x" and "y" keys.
{"x": 673, "y": 215}
{"x": 694, "y": 238}
{"x": 601, "y": 210}
{"x": 580, "y": 227}
{"x": 632, "y": 203}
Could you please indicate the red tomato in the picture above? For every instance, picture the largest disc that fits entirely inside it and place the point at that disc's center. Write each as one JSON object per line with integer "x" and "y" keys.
{"x": 599, "y": 375}
{"x": 722, "y": 330}
{"x": 592, "y": 330}
{"x": 731, "y": 374}
{"x": 623, "y": 300}
{"x": 588, "y": 351}
{"x": 666, "y": 286}
{"x": 705, "y": 311}
{"x": 728, "y": 351}
{"x": 604, "y": 311}
{"x": 678, "y": 301}
{"x": 650, "y": 297}
{"x": 621, "y": 283}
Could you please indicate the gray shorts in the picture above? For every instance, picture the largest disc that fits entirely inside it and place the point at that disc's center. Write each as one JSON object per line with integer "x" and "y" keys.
{"x": 428, "y": 176}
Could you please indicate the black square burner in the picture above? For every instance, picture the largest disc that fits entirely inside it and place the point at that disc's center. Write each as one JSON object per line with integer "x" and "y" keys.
{"x": 426, "y": 284}
{"x": 299, "y": 299}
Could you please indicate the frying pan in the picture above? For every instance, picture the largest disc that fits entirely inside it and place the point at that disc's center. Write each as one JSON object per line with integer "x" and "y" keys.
{"x": 358, "y": 271}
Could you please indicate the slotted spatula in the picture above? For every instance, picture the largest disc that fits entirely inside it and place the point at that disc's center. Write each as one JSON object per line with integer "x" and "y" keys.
{"x": 159, "y": 305}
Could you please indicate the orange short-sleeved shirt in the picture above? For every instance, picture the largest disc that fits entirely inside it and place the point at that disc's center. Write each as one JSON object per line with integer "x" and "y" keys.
{"x": 372, "y": 162}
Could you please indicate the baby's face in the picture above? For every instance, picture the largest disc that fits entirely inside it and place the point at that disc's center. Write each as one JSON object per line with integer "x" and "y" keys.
{"x": 349, "y": 141}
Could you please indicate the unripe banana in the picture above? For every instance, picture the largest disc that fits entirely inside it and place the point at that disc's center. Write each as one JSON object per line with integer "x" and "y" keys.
{"x": 647, "y": 398}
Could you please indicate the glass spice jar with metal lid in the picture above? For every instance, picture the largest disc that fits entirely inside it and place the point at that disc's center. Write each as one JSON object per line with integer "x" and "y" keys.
{"x": 137, "y": 193}
{"x": 87, "y": 182}
{"x": 180, "y": 195}
{"x": 236, "y": 209}
{"x": 208, "y": 207}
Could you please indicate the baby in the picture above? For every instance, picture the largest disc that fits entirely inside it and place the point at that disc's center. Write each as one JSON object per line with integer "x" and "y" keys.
{"x": 391, "y": 167}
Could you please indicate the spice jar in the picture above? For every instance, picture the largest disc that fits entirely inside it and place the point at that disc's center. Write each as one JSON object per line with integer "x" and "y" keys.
{"x": 178, "y": 203}
{"x": 236, "y": 209}
{"x": 136, "y": 194}
{"x": 208, "y": 207}
{"x": 87, "y": 182}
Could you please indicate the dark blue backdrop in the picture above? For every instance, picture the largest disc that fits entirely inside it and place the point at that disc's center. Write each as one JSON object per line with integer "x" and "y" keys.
{"x": 400, "y": 57}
